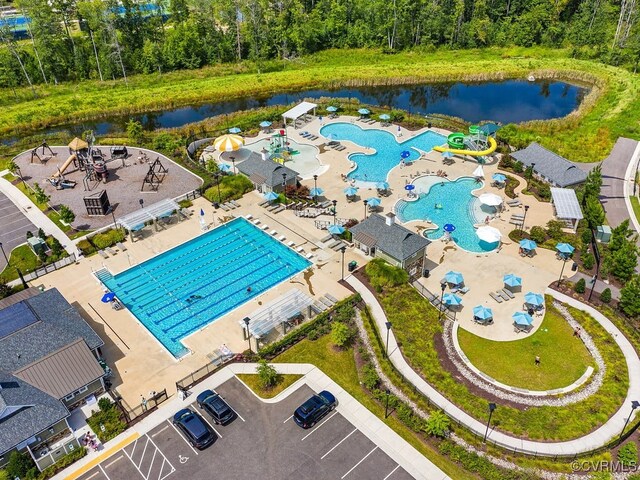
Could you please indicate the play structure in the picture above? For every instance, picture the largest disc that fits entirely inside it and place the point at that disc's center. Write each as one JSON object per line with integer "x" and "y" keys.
{"x": 155, "y": 175}
{"x": 475, "y": 144}
{"x": 279, "y": 149}
{"x": 42, "y": 157}
{"x": 97, "y": 204}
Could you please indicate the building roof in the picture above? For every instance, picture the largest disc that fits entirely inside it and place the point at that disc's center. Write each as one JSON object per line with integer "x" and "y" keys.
{"x": 52, "y": 324}
{"x": 255, "y": 167}
{"x": 394, "y": 240}
{"x": 137, "y": 219}
{"x": 299, "y": 110}
{"x": 27, "y": 411}
{"x": 64, "y": 371}
{"x": 553, "y": 167}
{"x": 566, "y": 203}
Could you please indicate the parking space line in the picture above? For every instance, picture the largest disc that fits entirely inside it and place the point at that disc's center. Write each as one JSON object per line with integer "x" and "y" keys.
{"x": 142, "y": 457}
{"x": 236, "y": 412}
{"x": 363, "y": 459}
{"x": 211, "y": 425}
{"x": 135, "y": 444}
{"x": 91, "y": 476}
{"x": 337, "y": 444}
{"x": 288, "y": 419}
{"x": 182, "y": 437}
{"x": 103, "y": 472}
{"x": 164, "y": 459}
{"x": 316, "y": 429}
{"x": 142, "y": 460}
{"x": 160, "y": 431}
{"x": 392, "y": 472}
{"x": 107, "y": 465}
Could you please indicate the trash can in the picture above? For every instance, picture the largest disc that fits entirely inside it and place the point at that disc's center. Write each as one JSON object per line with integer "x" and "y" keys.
{"x": 353, "y": 265}
{"x": 426, "y": 273}
{"x": 574, "y": 267}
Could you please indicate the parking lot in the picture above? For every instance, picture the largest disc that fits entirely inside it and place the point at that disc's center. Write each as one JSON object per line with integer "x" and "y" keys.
{"x": 262, "y": 442}
{"x": 14, "y": 227}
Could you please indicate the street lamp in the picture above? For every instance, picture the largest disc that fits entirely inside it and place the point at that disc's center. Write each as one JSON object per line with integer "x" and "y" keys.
{"x": 634, "y": 404}
{"x": 564, "y": 262}
{"x": 233, "y": 160}
{"x": 343, "y": 250}
{"x": 217, "y": 176}
{"x": 315, "y": 186}
{"x": 386, "y": 348}
{"x": 24, "y": 284}
{"x": 246, "y": 323}
{"x": 115, "y": 225}
{"x": 365, "y": 208}
{"x": 492, "y": 407}
{"x": 4, "y": 254}
{"x": 443, "y": 285}
{"x": 335, "y": 202}
{"x": 284, "y": 187}
{"x": 141, "y": 202}
{"x": 524, "y": 217}
{"x": 386, "y": 404}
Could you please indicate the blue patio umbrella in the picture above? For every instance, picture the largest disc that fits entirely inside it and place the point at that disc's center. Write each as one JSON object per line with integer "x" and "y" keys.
{"x": 409, "y": 187}
{"x": 534, "y": 299}
{"x": 455, "y": 278}
{"x": 332, "y": 136}
{"x": 373, "y": 202}
{"x": 451, "y": 299}
{"x": 235, "y": 130}
{"x": 449, "y": 227}
{"x": 498, "y": 177}
{"x": 527, "y": 244}
{"x": 108, "y": 297}
{"x": 270, "y": 196}
{"x": 565, "y": 248}
{"x": 482, "y": 312}
{"x": 224, "y": 167}
{"x": 350, "y": 191}
{"x": 447, "y": 154}
{"x": 316, "y": 192}
{"x": 201, "y": 212}
{"x": 265, "y": 124}
{"x": 335, "y": 229}
{"x": 512, "y": 280}
{"x": 382, "y": 185}
{"x": 522, "y": 318}
{"x": 384, "y": 117}
{"x": 332, "y": 109}
{"x": 364, "y": 111}
{"x": 405, "y": 154}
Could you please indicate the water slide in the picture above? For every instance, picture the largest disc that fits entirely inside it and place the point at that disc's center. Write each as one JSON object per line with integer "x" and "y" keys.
{"x": 456, "y": 142}
{"x": 65, "y": 165}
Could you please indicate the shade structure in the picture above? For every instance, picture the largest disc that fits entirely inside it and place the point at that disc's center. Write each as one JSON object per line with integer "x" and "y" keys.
{"x": 489, "y": 234}
{"x": 409, "y": 187}
{"x": 479, "y": 173}
{"x": 335, "y": 229}
{"x": 512, "y": 280}
{"x": 522, "y": 318}
{"x": 373, "y": 202}
{"x": 265, "y": 124}
{"x": 316, "y": 192}
{"x": 490, "y": 199}
{"x": 405, "y": 154}
{"x": 225, "y": 167}
{"x": 527, "y": 244}
{"x": 332, "y": 109}
{"x": 108, "y": 297}
{"x": 449, "y": 227}
{"x": 350, "y": 191}
{"x": 270, "y": 196}
{"x": 482, "y": 312}
{"x": 382, "y": 185}
{"x": 565, "y": 248}
{"x": 235, "y": 130}
{"x": 500, "y": 178}
{"x": 447, "y": 154}
{"x": 228, "y": 143}
{"x": 364, "y": 111}
{"x": 534, "y": 299}
{"x": 77, "y": 144}
{"x": 451, "y": 299}
{"x": 454, "y": 278}
{"x": 384, "y": 117}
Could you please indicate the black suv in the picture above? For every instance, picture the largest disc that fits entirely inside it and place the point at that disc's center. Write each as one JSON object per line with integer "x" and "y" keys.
{"x": 196, "y": 430}
{"x": 216, "y": 407}
{"x": 311, "y": 411}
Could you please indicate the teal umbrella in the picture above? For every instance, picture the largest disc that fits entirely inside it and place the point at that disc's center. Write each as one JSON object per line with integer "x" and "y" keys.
{"x": 364, "y": 111}
{"x": 512, "y": 280}
{"x": 350, "y": 191}
{"x": 527, "y": 244}
{"x": 454, "y": 278}
{"x": 384, "y": 117}
{"x": 382, "y": 185}
{"x": 373, "y": 202}
{"x": 534, "y": 299}
{"x": 336, "y": 229}
{"x": 235, "y": 130}
{"x": 316, "y": 192}
{"x": 332, "y": 109}
{"x": 451, "y": 299}
{"x": 270, "y": 196}
{"x": 482, "y": 312}
{"x": 265, "y": 124}
{"x": 565, "y": 248}
{"x": 500, "y": 178}
{"x": 522, "y": 318}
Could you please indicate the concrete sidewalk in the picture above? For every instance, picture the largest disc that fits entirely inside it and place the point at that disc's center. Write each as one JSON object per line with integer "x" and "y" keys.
{"x": 370, "y": 425}
{"x": 587, "y": 443}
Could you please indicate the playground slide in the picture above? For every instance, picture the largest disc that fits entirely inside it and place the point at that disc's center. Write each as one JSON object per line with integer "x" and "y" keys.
{"x": 474, "y": 153}
{"x": 65, "y": 165}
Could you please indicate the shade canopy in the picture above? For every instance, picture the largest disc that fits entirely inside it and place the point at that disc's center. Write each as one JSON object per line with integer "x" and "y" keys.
{"x": 565, "y": 248}
{"x": 276, "y": 312}
{"x": 482, "y": 312}
{"x": 332, "y": 109}
{"x": 384, "y": 117}
{"x": 522, "y": 318}
{"x": 108, "y": 297}
{"x": 534, "y": 299}
{"x": 364, "y": 111}
{"x": 512, "y": 280}
{"x": 382, "y": 185}
{"x": 335, "y": 229}
{"x": 409, "y": 187}
{"x": 265, "y": 124}
{"x": 137, "y": 219}
{"x": 479, "y": 172}
{"x": 447, "y": 154}
{"x": 405, "y": 154}
{"x": 449, "y": 227}
{"x": 454, "y": 278}
{"x": 301, "y": 109}
{"x": 527, "y": 244}
{"x": 235, "y": 130}
{"x": 451, "y": 299}
{"x": 77, "y": 144}
{"x": 350, "y": 191}
{"x": 224, "y": 167}
{"x": 373, "y": 201}
{"x": 228, "y": 143}
{"x": 490, "y": 199}
{"x": 566, "y": 203}
{"x": 316, "y": 192}
{"x": 489, "y": 234}
{"x": 270, "y": 196}
{"x": 500, "y": 178}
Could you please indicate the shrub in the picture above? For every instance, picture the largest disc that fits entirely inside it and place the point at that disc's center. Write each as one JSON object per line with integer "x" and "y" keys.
{"x": 5, "y": 290}
{"x": 554, "y": 229}
{"x": 382, "y": 274}
{"x": 104, "y": 404}
{"x": 62, "y": 463}
{"x": 56, "y": 247}
{"x": 85, "y": 247}
{"x": 517, "y": 235}
{"x": 518, "y": 167}
{"x": 39, "y": 194}
{"x": 341, "y": 334}
{"x": 605, "y": 296}
{"x": 41, "y": 234}
{"x": 232, "y": 187}
{"x": 628, "y": 454}
{"x": 20, "y": 465}
{"x": 107, "y": 238}
{"x": 110, "y": 419}
{"x": 29, "y": 234}
{"x": 267, "y": 374}
{"x": 585, "y": 236}
{"x": 438, "y": 424}
{"x": 538, "y": 234}
{"x": 544, "y": 191}
{"x": 506, "y": 162}
{"x": 66, "y": 214}
{"x": 370, "y": 378}
{"x": 185, "y": 203}
{"x": 588, "y": 261}
{"x": 580, "y": 286}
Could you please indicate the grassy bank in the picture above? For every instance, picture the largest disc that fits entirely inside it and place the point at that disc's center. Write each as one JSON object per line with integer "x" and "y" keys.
{"x": 585, "y": 136}
{"x": 252, "y": 381}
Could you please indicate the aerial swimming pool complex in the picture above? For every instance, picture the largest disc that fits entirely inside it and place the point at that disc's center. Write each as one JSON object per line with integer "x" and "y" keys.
{"x": 188, "y": 287}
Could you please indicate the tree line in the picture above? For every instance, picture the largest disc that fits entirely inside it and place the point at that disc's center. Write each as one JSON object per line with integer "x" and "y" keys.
{"x": 72, "y": 40}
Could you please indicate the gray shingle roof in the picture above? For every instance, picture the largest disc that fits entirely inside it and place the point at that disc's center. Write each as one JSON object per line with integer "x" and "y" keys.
{"x": 268, "y": 169}
{"x": 394, "y": 240}
{"x": 39, "y": 411}
{"x": 555, "y": 168}
{"x": 60, "y": 324}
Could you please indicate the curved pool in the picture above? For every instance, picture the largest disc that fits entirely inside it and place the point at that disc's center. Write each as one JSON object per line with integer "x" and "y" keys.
{"x": 385, "y": 148}
{"x": 443, "y": 201}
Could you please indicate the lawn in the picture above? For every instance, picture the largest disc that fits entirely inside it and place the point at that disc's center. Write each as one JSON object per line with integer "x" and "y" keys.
{"x": 563, "y": 356}
{"x": 636, "y": 207}
{"x": 23, "y": 258}
{"x": 252, "y": 381}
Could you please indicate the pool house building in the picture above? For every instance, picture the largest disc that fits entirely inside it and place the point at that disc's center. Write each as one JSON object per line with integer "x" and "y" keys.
{"x": 266, "y": 174}
{"x": 549, "y": 166}
{"x": 381, "y": 237}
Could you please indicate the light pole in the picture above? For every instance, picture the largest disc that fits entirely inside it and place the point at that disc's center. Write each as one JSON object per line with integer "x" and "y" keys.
{"x": 315, "y": 186}
{"x": 141, "y": 202}
{"x": 115, "y": 225}
{"x": 443, "y": 285}
{"x": 526, "y": 209}
{"x": 365, "y": 208}
{"x": 343, "y": 250}
{"x": 634, "y": 404}
{"x": 492, "y": 407}
{"x": 386, "y": 404}
{"x": 24, "y": 284}
{"x": 335, "y": 202}
{"x": 386, "y": 348}
{"x": 284, "y": 187}
{"x": 564, "y": 262}
{"x": 233, "y": 160}
{"x": 4, "y": 254}
{"x": 217, "y": 175}
{"x": 246, "y": 323}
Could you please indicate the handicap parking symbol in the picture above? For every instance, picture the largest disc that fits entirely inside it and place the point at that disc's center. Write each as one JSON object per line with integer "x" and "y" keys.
{"x": 183, "y": 459}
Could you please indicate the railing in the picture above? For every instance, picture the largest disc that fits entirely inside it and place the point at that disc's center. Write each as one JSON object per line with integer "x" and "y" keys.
{"x": 192, "y": 195}
{"x": 51, "y": 267}
{"x": 204, "y": 372}
{"x": 135, "y": 414}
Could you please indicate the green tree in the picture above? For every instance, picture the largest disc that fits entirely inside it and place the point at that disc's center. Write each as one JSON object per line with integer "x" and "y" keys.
{"x": 66, "y": 214}
{"x": 630, "y": 297}
{"x": 593, "y": 183}
{"x": 605, "y": 295}
{"x": 135, "y": 131}
{"x": 620, "y": 235}
{"x": 341, "y": 334}
{"x": 538, "y": 234}
{"x": 39, "y": 194}
{"x": 5, "y": 290}
{"x": 56, "y": 247}
{"x": 268, "y": 376}
{"x": 624, "y": 261}
{"x": 580, "y": 286}
{"x": 593, "y": 212}
{"x": 20, "y": 465}
{"x": 41, "y": 234}
{"x": 438, "y": 424}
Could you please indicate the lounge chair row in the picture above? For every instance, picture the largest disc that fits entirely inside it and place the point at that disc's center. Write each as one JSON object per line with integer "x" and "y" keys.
{"x": 501, "y": 295}
{"x": 368, "y": 121}
{"x": 336, "y": 146}
{"x": 111, "y": 251}
{"x": 309, "y": 136}
{"x": 516, "y": 219}
{"x": 514, "y": 203}
{"x": 230, "y": 205}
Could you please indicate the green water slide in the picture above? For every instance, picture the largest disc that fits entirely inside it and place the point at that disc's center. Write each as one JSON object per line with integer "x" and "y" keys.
{"x": 456, "y": 140}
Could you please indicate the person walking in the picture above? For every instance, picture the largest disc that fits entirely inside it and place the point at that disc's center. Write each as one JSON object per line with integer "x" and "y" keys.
{"x": 537, "y": 361}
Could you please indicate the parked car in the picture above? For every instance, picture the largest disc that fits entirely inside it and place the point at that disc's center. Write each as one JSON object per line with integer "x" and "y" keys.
{"x": 216, "y": 407}
{"x": 198, "y": 433}
{"x": 311, "y": 411}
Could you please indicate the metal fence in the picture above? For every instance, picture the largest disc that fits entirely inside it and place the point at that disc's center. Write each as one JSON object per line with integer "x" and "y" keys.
{"x": 206, "y": 371}
{"x": 51, "y": 267}
{"x": 147, "y": 405}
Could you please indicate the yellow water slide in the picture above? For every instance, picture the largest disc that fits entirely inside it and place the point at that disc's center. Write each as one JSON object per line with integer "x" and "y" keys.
{"x": 474, "y": 153}
{"x": 64, "y": 166}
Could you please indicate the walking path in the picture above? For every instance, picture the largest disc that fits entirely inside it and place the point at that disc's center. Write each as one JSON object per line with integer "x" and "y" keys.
{"x": 600, "y": 285}
{"x": 583, "y": 444}
{"x": 371, "y": 426}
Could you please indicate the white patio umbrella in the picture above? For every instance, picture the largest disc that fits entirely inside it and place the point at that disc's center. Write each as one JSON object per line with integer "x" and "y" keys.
{"x": 489, "y": 234}
{"x": 490, "y": 199}
{"x": 478, "y": 172}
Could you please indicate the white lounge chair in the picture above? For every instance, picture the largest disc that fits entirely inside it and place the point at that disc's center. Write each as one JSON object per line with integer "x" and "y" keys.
{"x": 273, "y": 233}
{"x": 248, "y": 216}
{"x": 265, "y": 227}
{"x": 282, "y": 238}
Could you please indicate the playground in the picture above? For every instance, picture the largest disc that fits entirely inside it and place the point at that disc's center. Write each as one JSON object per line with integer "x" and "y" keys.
{"x": 94, "y": 180}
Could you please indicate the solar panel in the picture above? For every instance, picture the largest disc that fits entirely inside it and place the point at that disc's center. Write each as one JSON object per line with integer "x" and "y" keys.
{"x": 15, "y": 318}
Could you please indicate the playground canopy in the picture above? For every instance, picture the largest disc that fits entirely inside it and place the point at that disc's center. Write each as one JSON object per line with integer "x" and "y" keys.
{"x": 136, "y": 220}
{"x": 299, "y": 110}
{"x": 289, "y": 305}
{"x": 77, "y": 144}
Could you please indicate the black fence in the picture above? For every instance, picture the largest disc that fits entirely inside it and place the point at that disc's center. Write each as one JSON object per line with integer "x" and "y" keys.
{"x": 50, "y": 267}
{"x": 204, "y": 372}
{"x": 134, "y": 414}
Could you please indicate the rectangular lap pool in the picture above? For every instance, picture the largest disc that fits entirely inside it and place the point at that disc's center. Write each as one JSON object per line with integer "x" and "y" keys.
{"x": 184, "y": 289}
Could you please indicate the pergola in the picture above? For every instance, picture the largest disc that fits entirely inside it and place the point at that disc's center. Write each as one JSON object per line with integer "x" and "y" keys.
{"x": 137, "y": 220}
{"x": 567, "y": 206}
{"x": 298, "y": 111}
{"x": 277, "y": 312}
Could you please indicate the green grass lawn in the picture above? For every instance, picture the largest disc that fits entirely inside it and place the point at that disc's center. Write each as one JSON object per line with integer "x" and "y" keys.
{"x": 23, "y": 258}
{"x": 636, "y": 207}
{"x": 252, "y": 381}
{"x": 563, "y": 356}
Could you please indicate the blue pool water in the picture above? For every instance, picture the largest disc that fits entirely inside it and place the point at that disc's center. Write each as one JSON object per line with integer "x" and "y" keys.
{"x": 459, "y": 207}
{"x": 385, "y": 149}
{"x": 193, "y": 284}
